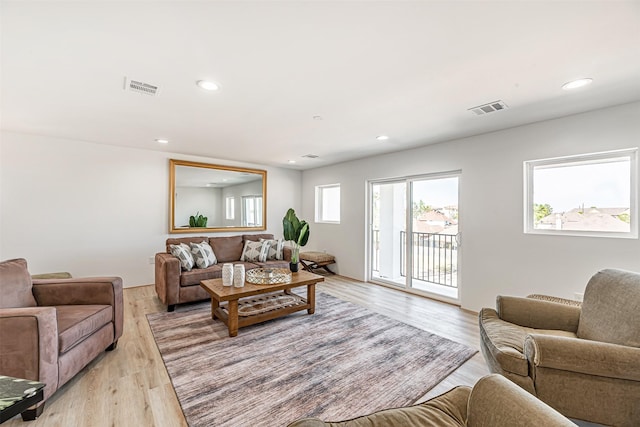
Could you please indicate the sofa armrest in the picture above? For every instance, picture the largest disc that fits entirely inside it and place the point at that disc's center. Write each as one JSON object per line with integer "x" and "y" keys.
{"x": 29, "y": 345}
{"x": 583, "y": 356}
{"x": 167, "y": 278}
{"x": 89, "y": 290}
{"x": 496, "y": 401}
{"x": 538, "y": 314}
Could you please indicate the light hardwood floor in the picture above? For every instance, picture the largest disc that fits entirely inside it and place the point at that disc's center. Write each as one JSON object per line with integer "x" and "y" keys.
{"x": 130, "y": 386}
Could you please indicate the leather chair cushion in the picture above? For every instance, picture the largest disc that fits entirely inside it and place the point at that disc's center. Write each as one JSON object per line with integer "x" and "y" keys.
{"x": 15, "y": 284}
{"x": 77, "y": 322}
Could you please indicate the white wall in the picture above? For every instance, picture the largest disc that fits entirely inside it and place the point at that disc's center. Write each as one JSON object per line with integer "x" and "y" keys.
{"x": 497, "y": 257}
{"x": 94, "y": 209}
{"x": 192, "y": 201}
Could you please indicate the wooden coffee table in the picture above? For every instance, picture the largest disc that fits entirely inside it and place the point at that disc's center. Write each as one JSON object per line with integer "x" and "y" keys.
{"x": 229, "y": 314}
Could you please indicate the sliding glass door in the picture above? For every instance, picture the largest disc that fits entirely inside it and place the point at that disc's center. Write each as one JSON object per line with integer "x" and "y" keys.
{"x": 389, "y": 216}
{"x": 414, "y": 235}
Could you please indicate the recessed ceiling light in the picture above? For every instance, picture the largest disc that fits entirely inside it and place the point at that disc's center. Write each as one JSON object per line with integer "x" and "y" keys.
{"x": 162, "y": 141}
{"x": 576, "y": 84}
{"x": 207, "y": 85}
{"x": 291, "y": 161}
{"x": 382, "y": 137}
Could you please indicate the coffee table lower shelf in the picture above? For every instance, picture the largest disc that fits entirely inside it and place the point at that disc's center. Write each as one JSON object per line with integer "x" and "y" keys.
{"x": 299, "y": 304}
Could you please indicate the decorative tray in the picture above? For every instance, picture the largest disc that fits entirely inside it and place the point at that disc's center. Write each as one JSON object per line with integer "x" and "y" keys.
{"x": 268, "y": 276}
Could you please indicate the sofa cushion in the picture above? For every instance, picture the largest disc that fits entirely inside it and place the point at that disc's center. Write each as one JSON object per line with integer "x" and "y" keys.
{"x": 611, "y": 308}
{"x": 227, "y": 249}
{"x": 15, "y": 284}
{"x": 203, "y": 254}
{"x": 193, "y": 277}
{"x": 77, "y": 322}
{"x": 275, "y": 249}
{"x": 183, "y": 253}
{"x": 255, "y": 251}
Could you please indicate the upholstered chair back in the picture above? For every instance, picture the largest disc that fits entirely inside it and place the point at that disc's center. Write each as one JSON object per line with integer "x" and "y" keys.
{"x": 611, "y": 308}
{"x": 15, "y": 284}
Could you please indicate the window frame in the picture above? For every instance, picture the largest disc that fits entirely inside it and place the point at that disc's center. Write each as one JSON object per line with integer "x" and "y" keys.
{"x": 600, "y": 157}
{"x": 319, "y": 200}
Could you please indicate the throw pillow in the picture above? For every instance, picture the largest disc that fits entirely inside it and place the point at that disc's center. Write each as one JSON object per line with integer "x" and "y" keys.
{"x": 183, "y": 253}
{"x": 275, "y": 248}
{"x": 203, "y": 254}
{"x": 254, "y": 251}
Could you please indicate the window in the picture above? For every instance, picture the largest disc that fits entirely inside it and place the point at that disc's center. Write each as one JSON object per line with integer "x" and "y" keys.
{"x": 328, "y": 203}
{"x": 252, "y": 211}
{"x": 230, "y": 207}
{"x": 584, "y": 195}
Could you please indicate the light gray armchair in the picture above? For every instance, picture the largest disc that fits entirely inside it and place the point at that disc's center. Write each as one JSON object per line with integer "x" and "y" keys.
{"x": 493, "y": 401}
{"x": 583, "y": 361}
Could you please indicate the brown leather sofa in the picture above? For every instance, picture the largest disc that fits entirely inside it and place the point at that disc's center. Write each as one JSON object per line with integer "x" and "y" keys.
{"x": 582, "y": 360}
{"x": 494, "y": 401}
{"x": 51, "y": 329}
{"x": 176, "y": 286}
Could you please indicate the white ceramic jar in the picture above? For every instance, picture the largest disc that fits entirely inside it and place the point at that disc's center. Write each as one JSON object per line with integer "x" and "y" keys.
{"x": 238, "y": 275}
{"x": 227, "y": 274}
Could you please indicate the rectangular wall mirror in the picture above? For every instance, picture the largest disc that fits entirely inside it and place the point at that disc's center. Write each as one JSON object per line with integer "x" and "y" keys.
{"x": 207, "y": 198}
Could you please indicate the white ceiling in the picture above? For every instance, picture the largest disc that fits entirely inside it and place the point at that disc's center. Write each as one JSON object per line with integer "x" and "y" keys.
{"x": 405, "y": 69}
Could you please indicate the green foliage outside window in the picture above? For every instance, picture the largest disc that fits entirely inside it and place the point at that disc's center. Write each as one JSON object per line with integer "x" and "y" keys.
{"x": 540, "y": 211}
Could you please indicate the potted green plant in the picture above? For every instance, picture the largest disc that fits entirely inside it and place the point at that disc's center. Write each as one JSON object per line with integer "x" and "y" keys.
{"x": 297, "y": 232}
{"x": 198, "y": 220}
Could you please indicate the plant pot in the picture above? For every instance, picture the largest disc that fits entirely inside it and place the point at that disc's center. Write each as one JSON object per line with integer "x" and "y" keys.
{"x": 293, "y": 266}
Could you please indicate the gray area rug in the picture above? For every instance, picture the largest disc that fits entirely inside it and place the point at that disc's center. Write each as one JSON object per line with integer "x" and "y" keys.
{"x": 341, "y": 362}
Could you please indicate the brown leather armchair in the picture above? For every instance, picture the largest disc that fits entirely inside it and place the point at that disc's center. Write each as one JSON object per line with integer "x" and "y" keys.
{"x": 51, "y": 329}
{"x": 582, "y": 360}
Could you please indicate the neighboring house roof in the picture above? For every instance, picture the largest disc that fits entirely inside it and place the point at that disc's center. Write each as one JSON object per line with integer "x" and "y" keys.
{"x": 608, "y": 211}
{"x": 433, "y": 216}
{"x": 591, "y": 220}
{"x": 423, "y": 227}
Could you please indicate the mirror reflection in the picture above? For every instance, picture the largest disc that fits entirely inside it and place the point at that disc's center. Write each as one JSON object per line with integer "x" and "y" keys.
{"x": 207, "y": 197}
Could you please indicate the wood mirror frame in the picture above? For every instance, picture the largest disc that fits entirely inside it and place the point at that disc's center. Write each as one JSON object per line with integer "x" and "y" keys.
{"x": 232, "y": 198}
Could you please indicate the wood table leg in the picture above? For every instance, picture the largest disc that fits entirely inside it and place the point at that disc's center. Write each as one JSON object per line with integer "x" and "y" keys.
{"x": 214, "y": 306}
{"x": 233, "y": 318}
{"x": 311, "y": 298}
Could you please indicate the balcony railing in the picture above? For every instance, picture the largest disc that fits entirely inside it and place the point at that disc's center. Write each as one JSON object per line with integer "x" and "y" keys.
{"x": 435, "y": 257}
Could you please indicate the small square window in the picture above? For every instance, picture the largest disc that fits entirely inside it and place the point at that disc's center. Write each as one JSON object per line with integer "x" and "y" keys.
{"x": 328, "y": 203}
{"x": 584, "y": 195}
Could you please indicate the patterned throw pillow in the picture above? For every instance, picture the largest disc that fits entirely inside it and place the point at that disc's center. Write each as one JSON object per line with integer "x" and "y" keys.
{"x": 254, "y": 251}
{"x": 183, "y": 253}
{"x": 275, "y": 248}
{"x": 203, "y": 254}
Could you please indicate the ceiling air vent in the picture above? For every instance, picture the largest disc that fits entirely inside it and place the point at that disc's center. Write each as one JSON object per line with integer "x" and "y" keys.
{"x": 310, "y": 156}
{"x": 140, "y": 87}
{"x": 489, "y": 108}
